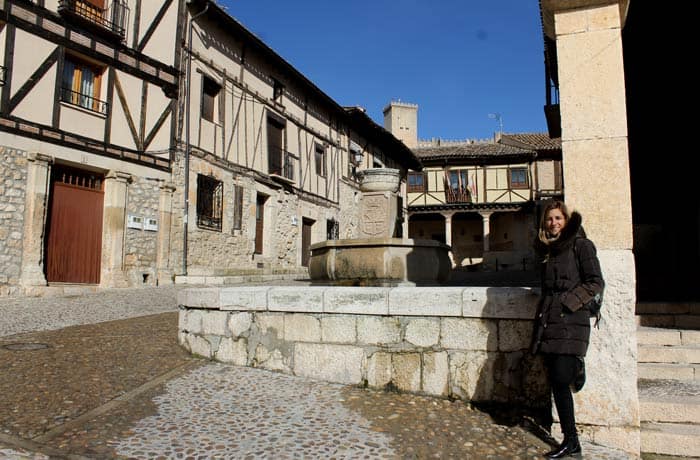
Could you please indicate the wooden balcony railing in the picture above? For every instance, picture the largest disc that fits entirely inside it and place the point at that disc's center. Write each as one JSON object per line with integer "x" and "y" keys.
{"x": 112, "y": 19}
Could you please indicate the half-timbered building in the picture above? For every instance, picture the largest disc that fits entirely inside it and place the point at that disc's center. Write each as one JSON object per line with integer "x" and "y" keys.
{"x": 87, "y": 104}
{"x": 269, "y": 162}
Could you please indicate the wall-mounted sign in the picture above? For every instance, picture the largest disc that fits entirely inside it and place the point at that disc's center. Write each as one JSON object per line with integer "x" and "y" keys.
{"x": 134, "y": 222}
{"x": 151, "y": 224}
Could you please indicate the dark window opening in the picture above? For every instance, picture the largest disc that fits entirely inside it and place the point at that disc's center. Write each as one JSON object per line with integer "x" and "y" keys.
{"x": 320, "y": 157}
{"x": 210, "y": 195}
{"x": 416, "y": 182}
{"x": 332, "y": 229}
{"x": 518, "y": 178}
{"x": 210, "y": 92}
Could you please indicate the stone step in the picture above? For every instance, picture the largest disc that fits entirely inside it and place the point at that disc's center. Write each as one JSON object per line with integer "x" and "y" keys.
{"x": 670, "y": 439}
{"x": 666, "y": 336}
{"x": 681, "y": 354}
{"x": 669, "y": 401}
{"x": 668, "y": 308}
{"x": 668, "y": 371}
{"x": 678, "y": 321}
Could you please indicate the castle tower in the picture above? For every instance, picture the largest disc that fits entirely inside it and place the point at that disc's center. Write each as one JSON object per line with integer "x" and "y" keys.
{"x": 401, "y": 120}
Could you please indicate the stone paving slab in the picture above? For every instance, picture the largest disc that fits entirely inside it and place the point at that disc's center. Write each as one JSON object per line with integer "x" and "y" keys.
{"x": 125, "y": 389}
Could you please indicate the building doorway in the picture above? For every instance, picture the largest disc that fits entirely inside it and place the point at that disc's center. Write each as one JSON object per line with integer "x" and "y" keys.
{"x": 74, "y": 226}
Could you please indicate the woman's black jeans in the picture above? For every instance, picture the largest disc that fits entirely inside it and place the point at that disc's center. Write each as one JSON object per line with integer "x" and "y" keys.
{"x": 562, "y": 370}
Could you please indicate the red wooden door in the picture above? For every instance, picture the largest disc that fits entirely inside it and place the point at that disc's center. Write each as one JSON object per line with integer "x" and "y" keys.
{"x": 74, "y": 229}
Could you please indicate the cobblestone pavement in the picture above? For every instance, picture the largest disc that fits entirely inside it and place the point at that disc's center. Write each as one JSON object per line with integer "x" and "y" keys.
{"x": 101, "y": 376}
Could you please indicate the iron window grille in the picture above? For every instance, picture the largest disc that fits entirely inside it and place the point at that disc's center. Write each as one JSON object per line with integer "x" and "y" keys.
{"x": 282, "y": 163}
{"x": 3, "y": 75}
{"x": 210, "y": 198}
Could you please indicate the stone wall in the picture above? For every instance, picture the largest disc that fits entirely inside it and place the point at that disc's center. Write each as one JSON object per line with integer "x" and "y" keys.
{"x": 464, "y": 342}
{"x": 13, "y": 183}
{"x": 140, "y": 245}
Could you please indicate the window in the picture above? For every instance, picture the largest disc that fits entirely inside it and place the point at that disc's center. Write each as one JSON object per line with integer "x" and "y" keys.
{"x": 332, "y": 229}
{"x": 320, "y": 156}
{"x": 210, "y": 194}
{"x": 275, "y": 145}
{"x": 237, "y": 207}
{"x": 81, "y": 84}
{"x": 277, "y": 90}
{"x": 458, "y": 187}
{"x": 210, "y": 93}
{"x": 518, "y": 177}
{"x": 416, "y": 182}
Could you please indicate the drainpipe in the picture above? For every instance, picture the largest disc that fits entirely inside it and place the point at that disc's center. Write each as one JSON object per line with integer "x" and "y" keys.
{"x": 188, "y": 147}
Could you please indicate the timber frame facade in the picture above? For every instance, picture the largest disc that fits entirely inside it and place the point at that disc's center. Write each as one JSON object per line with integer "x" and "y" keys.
{"x": 482, "y": 198}
{"x": 271, "y": 160}
{"x": 88, "y": 93}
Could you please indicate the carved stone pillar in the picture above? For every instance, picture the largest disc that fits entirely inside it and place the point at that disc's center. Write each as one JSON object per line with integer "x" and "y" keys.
{"x": 38, "y": 168}
{"x": 163, "y": 254}
{"x": 113, "y": 228}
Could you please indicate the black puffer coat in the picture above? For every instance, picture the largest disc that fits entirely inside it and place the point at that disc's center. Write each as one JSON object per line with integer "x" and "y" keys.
{"x": 562, "y": 326}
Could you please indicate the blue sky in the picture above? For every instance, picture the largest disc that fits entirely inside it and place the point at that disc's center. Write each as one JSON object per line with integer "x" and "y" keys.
{"x": 459, "y": 60}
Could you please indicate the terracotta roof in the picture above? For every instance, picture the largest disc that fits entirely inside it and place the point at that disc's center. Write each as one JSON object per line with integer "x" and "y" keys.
{"x": 534, "y": 141}
{"x": 472, "y": 151}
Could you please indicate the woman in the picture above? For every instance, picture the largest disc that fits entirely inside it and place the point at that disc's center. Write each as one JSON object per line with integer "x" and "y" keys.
{"x": 571, "y": 277}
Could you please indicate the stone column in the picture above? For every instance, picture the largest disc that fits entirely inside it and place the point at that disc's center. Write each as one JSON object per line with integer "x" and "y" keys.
{"x": 38, "y": 167}
{"x": 163, "y": 254}
{"x": 486, "y": 223}
{"x": 596, "y": 173}
{"x": 448, "y": 234}
{"x": 113, "y": 228}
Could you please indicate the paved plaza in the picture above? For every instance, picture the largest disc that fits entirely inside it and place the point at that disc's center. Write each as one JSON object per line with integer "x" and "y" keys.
{"x": 101, "y": 376}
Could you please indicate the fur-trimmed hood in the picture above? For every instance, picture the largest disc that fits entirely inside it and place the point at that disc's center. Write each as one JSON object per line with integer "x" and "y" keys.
{"x": 571, "y": 231}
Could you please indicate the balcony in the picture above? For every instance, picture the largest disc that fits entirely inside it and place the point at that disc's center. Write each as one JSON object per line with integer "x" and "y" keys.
{"x": 111, "y": 20}
{"x": 457, "y": 195}
{"x": 82, "y": 100}
{"x": 282, "y": 165}
{"x": 3, "y": 74}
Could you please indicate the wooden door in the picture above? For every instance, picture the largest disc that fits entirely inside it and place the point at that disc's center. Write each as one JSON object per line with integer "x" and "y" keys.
{"x": 259, "y": 223}
{"x": 74, "y": 227}
{"x": 306, "y": 225}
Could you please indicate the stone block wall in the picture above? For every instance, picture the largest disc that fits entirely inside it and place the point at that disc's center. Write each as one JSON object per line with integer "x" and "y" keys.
{"x": 469, "y": 343}
{"x": 436, "y": 341}
{"x": 13, "y": 184}
{"x": 140, "y": 245}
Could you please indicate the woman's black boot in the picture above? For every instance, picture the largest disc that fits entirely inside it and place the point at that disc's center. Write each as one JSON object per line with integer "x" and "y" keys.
{"x": 570, "y": 446}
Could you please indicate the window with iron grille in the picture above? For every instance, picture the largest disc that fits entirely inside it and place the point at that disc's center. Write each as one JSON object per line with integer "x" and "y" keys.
{"x": 332, "y": 229}
{"x": 320, "y": 155}
{"x": 416, "y": 182}
{"x": 238, "y": 207}
{"x": 210, "y": 94}
{"x": 210, "y": 197}
{"x": 517, "y": 177}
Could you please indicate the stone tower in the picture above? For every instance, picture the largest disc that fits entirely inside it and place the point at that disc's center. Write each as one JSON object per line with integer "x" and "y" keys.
{"x": 401, "y": 120}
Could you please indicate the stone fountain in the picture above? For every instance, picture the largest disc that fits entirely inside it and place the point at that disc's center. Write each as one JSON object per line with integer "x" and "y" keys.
{"x": 377, "y": 257}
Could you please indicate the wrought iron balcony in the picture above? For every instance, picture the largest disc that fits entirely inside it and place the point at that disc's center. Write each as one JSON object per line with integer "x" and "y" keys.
{"x": 113, "y": 19}
{"x": 84, "y": 101}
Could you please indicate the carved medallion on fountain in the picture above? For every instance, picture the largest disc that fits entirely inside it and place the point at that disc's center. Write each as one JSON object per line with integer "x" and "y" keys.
{"x": 377, "y": 257}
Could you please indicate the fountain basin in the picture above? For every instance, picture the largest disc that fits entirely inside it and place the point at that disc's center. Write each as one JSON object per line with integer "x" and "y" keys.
{"x": 380, "y": 180}
{"x": 380, "y": 262}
